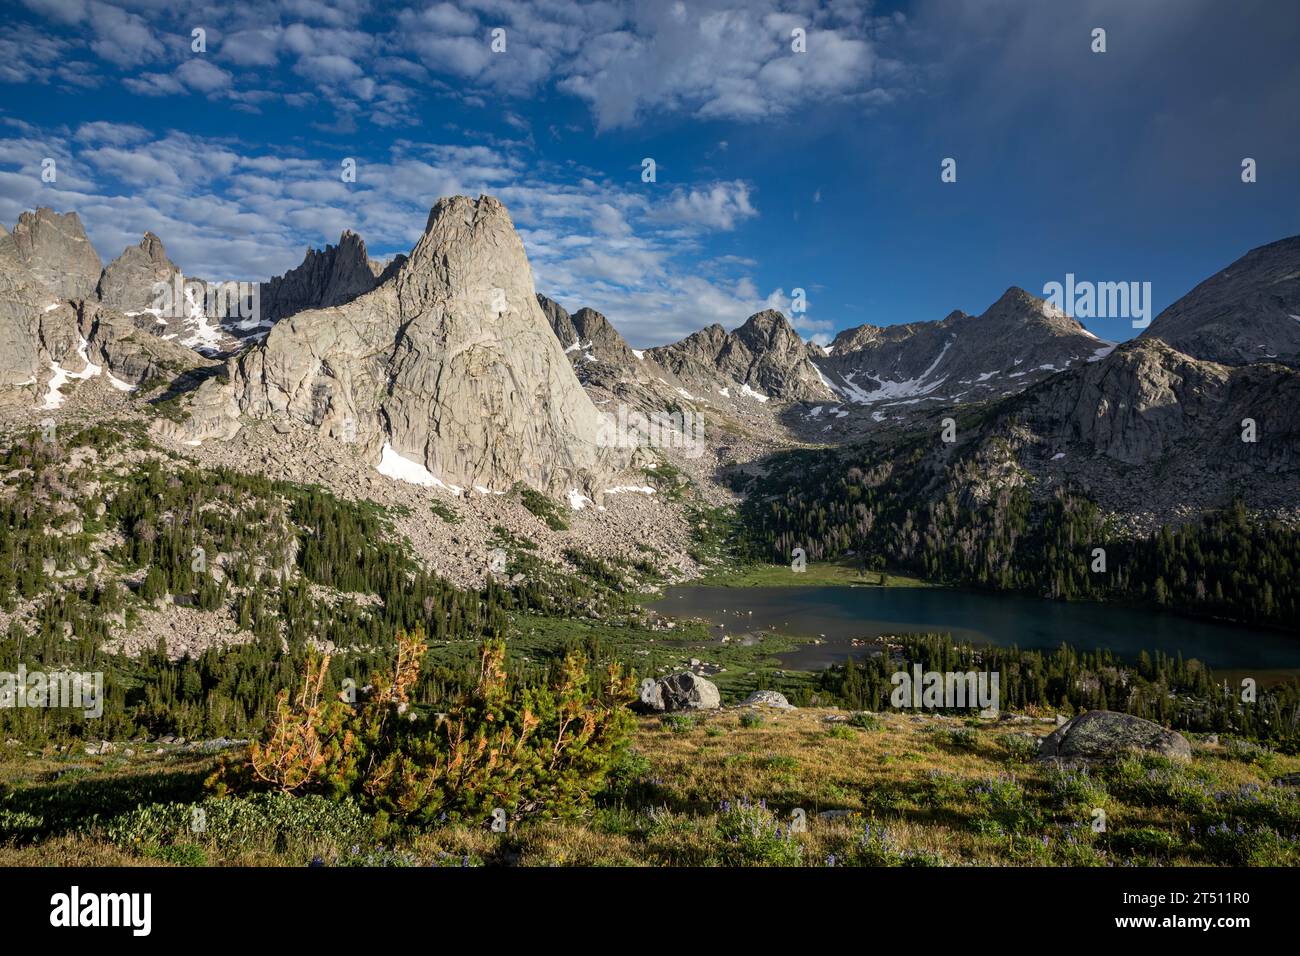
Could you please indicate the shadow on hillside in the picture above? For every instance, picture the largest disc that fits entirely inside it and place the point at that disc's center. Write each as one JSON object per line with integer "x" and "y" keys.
{"x": 61, "y": 801}
{"x": 185, "y": 383}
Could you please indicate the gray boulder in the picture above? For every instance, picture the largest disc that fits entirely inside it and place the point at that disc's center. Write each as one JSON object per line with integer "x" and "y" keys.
{"x": 1102, "y": 735}
{"x": 769, "y": 698}
{"x": 681, "y": 691}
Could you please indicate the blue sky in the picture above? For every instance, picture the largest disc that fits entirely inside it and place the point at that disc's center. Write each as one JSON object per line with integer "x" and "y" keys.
{"x": 775, "y": 169}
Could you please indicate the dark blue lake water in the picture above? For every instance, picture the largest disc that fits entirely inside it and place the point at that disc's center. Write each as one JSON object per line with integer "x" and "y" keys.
{"x": 839, "y": 614}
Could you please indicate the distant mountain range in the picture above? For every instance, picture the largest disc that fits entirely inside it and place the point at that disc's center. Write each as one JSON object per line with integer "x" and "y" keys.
{"x": 448, "y": 359}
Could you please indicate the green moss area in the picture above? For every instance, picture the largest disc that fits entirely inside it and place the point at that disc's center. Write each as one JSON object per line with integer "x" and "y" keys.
{"x": 543, "y": 507}
{"x": 847, "y": 571}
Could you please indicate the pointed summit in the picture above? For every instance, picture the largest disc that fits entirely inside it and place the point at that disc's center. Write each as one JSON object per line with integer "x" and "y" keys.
{"x": 919, "y": 366}
{"x": 764, "y": 358}
{"x": 330, "y": 276}
{"x": 127, "y": 282}
{"x": 54, "y": 248}
{"x": 447, "y": 375}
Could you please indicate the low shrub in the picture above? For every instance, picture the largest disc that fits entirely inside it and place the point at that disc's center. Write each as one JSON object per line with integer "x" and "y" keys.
{"x": 679, "y": 723}
{"x": 524, "y": 749}
{"x": 262, "y": 821}
{"x": 1020, "y": 748}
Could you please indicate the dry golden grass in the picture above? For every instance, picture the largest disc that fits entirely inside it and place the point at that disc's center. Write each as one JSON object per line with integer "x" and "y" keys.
{"x": 71, "y": 849}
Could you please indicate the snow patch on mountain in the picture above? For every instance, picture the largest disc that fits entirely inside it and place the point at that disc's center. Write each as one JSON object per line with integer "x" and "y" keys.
{"x": 393, "y": 465}
{"x": 61, "y": 376}
{"x": 907, "y": 388}
{"x": 824, "y": 380}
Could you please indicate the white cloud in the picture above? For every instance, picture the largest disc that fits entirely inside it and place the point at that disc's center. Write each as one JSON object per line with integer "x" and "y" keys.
{"x": 154, "y": 84}
{"x": 115, "y": 134}
{"x": 718, "y": 206}
{"x": 64, "y": 11}
{"x": 122, "y": 38}
{"x": 714, "y": 59}
{"x": 254, "y": 47}
{"x": 200, "y": 75}
{"x": 328, "y": 68}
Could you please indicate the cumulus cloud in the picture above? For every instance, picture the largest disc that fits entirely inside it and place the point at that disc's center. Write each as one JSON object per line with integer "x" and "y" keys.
{"x": 714, "y": 59}
{"x": 724, "y": 60}
{"x": 202, "y": 77}
{"x": 254, "y": 47}
{"x": 121, "y": 37}
{"x": 718, "y": 206}
{"x": 116, "y": 134}
{"x": 154, "y": 84}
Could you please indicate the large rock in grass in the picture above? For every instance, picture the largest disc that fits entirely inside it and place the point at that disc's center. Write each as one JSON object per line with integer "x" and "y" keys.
{"x": 681, "y": 691}
{"x": 769, "y": 698}
{"x": 1102, "y": 735}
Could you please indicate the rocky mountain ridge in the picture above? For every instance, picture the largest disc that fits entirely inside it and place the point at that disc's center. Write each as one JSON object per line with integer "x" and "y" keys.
{"x": 963, "y": 358}
{"x": 1248, "y": 312}
{"x": 326, "y": 277}
{"x": 47, "y": 341}
{"x": 763, "y": 359}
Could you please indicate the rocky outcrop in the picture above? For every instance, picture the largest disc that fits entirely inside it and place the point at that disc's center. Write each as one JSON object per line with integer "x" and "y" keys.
{"x": 763, "y": 359}
{"x": 680, "y": 691}
{"x": 1248, "y": 312}
{"x": 1148, "y": 429}
{"x": 1147, "y": 400}
{"x": 133, "y": 356}
{"x": 1105, "y": 735}
{"x": 127, "y": 283}
{"x": 55, "y": 250}
{"x": 560, "y": 321}
{"x": 598, "y": 351}
{"x": 448, "y": 373}
{"x": 328, "y": 277}
{"x": 23, "y": 302}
